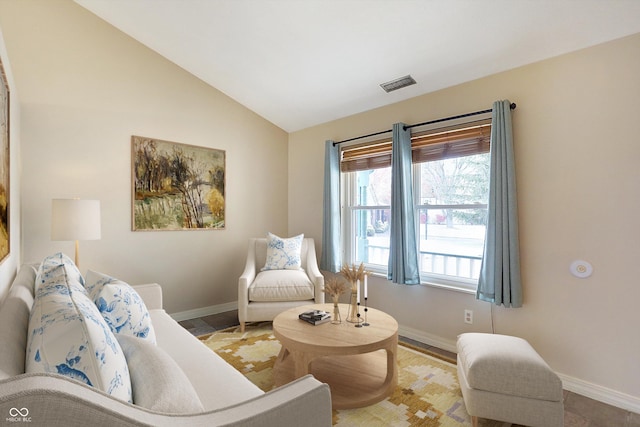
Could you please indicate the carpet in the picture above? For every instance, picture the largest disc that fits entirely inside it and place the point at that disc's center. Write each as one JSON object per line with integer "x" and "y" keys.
{"x": 427, "y": 393}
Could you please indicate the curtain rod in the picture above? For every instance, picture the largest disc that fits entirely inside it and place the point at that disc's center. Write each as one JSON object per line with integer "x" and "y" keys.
{"x": 475, "y": 113}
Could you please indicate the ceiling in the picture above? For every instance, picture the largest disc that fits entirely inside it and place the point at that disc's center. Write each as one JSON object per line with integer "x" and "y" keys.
{"x": 299, "y": 63}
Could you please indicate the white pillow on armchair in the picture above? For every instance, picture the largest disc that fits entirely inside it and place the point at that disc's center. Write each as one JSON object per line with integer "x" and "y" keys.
{"x": 283, "y": 254}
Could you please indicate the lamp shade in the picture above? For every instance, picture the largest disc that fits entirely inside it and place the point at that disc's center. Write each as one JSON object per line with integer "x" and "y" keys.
{"x": 75, "y": 219}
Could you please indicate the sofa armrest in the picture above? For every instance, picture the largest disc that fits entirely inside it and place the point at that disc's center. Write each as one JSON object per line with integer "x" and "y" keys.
{"x": 54, "y": 400}
{"x": 151, "y": 294}
{"x": 245, "y": 280}
{"x": 314, "y": 273}
{"x": 250, "y": 268}
{"x": 247, "y": 277}
{"x": 305, "y": 401}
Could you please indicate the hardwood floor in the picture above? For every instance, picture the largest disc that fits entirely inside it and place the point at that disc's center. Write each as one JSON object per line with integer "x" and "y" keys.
{"x": 580, "y": 411}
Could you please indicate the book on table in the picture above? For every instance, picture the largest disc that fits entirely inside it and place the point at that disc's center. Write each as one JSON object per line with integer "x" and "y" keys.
{"x": 315, "y": 317}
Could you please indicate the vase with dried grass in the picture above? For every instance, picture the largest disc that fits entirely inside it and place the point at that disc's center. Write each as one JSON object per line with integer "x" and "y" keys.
{"x": 335, "y": 287}
{"x": 354, "y": 275}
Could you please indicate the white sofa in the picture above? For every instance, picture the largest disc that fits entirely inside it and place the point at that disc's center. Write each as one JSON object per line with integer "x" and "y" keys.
{"x": 227, "y": 397}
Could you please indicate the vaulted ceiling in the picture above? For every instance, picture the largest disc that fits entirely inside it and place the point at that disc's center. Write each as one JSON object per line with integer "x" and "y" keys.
{"x": 299, "y": 63}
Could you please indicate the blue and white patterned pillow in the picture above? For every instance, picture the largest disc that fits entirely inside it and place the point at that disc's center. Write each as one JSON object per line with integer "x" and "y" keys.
{"x": 49, "y": 271}
{"x": 283, "y": 254}
{"x": 68, "y": 336}
{"x": 120, "y": 305}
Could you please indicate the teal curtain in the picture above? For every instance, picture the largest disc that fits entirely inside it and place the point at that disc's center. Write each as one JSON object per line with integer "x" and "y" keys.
{"x": 403, "y": 251}
{"x": 330, "y": 259}
{"x": 499, "y": 281}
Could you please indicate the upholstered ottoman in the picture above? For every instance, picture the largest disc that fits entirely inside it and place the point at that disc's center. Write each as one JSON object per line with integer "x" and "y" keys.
{"x": 503, "y": 378}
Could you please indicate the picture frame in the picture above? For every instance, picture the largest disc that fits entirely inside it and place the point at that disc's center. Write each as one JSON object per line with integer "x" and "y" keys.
{"x": 5, "y": 166}
{"x": 176, "y": 186}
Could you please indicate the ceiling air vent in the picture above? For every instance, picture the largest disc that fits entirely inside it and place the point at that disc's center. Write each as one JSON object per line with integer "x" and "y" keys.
{"x": 398, "y": 83}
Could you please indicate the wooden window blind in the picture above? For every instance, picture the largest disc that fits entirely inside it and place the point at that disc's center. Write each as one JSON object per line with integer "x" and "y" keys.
{"x": 452, "y": 143}
{"x": 425, "y": 147}
{"x": 363, "y": 157}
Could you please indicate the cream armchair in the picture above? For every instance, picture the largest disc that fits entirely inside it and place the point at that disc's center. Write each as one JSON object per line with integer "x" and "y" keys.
{"x": 262, "y": 295}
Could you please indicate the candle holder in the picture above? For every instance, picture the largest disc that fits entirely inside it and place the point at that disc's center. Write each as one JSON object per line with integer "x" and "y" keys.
{"x": 358, "y": 325}
{"x": 365, "y": 313}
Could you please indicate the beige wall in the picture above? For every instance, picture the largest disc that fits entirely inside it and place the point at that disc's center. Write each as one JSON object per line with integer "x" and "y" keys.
{"x": 577, "y": 153}
{"x": 85, "y": 89}
{"x": 10, "y": 263}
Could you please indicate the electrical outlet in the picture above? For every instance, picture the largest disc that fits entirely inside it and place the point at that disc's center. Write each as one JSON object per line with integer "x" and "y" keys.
{"x": 468, "y": 316}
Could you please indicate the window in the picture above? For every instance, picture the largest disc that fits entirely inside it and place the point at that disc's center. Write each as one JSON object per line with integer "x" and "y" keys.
{"x": 452, "y": 212}
{"x": 367, "y": 217}
{"x": 451, "y": 180}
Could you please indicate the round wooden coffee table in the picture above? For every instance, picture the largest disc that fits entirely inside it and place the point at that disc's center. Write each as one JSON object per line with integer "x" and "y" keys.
{"x": 359, "y": 364}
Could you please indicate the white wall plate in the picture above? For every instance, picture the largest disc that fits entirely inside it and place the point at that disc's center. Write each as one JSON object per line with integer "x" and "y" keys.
{"x": 581, "y": 269}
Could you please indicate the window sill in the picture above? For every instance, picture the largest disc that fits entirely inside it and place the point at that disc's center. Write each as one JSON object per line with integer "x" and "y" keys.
{"x": 432, "y": 284}
{"x": 448, "y": 287}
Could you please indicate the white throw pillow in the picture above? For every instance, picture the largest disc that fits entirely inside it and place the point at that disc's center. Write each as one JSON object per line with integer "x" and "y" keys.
{"x": 48, "y": 271}
{"x": 283, "y": 254}
{"x": 158, "y": 382}
{"x": 68, "y": 336}
{"x": 120, "y": 305}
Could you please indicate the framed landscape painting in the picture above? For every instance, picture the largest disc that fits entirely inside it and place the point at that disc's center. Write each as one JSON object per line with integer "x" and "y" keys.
{"x": 176, "y": 186}
{"x": 4, "y": 165}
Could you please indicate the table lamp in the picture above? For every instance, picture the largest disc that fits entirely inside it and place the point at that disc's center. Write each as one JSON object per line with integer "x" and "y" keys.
{"x": 75, "y": 219}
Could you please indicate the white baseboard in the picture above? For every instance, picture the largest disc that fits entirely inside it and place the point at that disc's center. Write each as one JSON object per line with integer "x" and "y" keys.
{"x": 600, "y": 393}
{"x": 204, "y": 311}
{"x": 423, "y": 337}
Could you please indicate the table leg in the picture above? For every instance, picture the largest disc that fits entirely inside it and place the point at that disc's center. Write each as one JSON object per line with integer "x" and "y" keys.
{"x": 282, "y": 356}
{"x": 301, "y": 361}
{"x": 391, "y": 379}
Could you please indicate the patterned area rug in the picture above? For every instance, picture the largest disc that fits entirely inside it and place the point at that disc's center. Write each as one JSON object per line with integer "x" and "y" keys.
{"x": 427, "y": 393}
